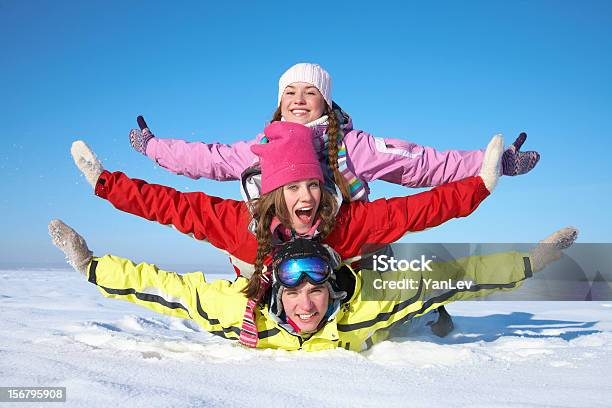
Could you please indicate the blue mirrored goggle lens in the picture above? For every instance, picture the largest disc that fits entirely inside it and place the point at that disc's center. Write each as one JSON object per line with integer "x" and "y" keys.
{"x": 292, "y": 271}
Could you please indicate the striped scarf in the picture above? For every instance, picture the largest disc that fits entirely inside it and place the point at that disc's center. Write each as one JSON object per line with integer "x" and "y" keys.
{"x": 248, "y": 333}
{"x": 356, "y": 188}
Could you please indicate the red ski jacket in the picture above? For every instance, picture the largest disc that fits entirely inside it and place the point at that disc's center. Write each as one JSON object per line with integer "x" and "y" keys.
{"x": 224, "y": 223}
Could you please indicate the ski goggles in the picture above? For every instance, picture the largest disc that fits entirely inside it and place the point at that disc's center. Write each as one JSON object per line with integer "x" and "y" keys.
{"x": 292, "y": 272}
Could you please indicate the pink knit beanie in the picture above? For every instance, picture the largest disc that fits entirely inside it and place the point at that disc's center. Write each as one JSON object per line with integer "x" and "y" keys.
{"x": 288, "y": 156}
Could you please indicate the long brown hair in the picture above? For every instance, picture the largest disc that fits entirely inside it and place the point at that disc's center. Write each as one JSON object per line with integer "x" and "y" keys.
{"x": 272, "y": 204}
{"x": 333, "y": 131}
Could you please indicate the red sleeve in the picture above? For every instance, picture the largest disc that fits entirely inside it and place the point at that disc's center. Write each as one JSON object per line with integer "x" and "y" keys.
{"x": 208, "y": 218}
{"x": 385, "y": 221}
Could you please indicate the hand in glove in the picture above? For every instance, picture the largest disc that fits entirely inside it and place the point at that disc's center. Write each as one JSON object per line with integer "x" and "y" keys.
{"x": 515, "y": 162}
{"x": 549, "y": 249}
{"x": 71, "y": 244}
{"x": 140, "y": 138}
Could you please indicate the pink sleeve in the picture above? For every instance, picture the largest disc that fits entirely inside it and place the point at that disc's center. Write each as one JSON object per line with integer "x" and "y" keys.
{"x": 409, "y": 164}
{"x": 215, "y": 161}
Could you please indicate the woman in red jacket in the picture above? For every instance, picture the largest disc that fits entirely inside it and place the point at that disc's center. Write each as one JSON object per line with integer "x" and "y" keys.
{"x": 293, "y": 203}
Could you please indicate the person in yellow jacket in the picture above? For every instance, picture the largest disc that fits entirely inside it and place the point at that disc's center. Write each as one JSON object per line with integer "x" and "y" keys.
{"x": 307, "y": 308}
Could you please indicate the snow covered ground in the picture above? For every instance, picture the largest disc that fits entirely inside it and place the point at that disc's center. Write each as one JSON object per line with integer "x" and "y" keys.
{"x": 57, "y": 330}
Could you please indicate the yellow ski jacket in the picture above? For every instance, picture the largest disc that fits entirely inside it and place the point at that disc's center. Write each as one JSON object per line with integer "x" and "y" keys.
{"x": 218, "y": 307}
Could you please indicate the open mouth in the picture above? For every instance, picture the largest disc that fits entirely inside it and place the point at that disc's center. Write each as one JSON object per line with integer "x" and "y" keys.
{"x": 304, "y": 215}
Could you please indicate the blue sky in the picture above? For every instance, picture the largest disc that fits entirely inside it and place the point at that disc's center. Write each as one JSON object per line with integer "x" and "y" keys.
{"x": 444, "y": 74}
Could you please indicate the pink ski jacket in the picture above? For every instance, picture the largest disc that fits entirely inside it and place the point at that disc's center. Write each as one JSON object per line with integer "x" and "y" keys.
{"x": 368, "y": 157}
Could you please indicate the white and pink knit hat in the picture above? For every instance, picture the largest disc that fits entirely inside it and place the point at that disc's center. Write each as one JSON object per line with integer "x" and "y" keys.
{"x": 310, "y": 74}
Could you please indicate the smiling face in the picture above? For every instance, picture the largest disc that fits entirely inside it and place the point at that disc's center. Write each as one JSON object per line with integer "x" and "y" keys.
{"x": 302, "y": 199}
{"x": 306, "y": 305}
{"x": 302, "y": 103}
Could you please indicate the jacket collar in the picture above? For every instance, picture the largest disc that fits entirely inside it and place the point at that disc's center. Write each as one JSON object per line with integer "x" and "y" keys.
{"x": 284, "y": 234}
{"x": 329, "y": 331}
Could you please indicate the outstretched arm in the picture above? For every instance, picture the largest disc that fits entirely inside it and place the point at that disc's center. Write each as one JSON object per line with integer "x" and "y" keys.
{"x": 426, "y": 290}
{"x": 205, "y": 217}
{"x": 217, "y": 307}
{"x": 444, "y": 282}
{"x": 215, "y": 161}
{"x": 385, "y": 221}
{"x": 412, "y": 165}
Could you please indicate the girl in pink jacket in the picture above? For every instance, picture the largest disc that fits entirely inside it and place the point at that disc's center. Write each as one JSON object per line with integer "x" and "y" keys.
{"x": 350, "y": 158}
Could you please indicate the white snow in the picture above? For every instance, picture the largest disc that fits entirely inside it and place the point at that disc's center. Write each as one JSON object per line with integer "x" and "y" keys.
{"x": 57, "y": 330}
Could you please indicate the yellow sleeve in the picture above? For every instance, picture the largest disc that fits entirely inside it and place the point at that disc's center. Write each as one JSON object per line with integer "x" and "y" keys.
{"x": 217, "y": 307}
{"x": 381, "y": 305}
